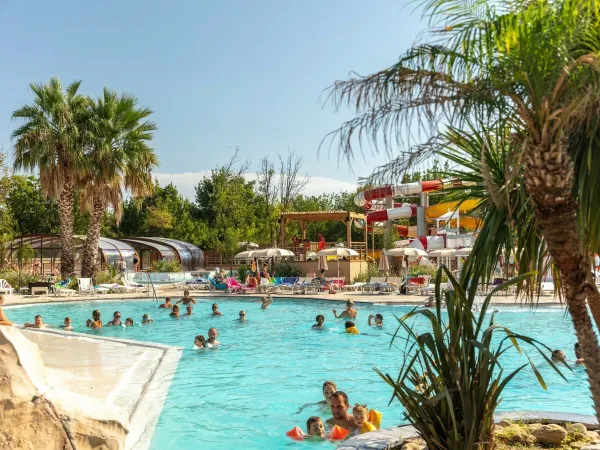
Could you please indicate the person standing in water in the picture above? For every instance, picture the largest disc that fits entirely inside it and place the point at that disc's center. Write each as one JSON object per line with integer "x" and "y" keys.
{"x": 167, "y": 304}
{"x": 265, "y": 302}
{"x": 349, "y": 312}
{"x": 339, "y": 411}
{"x": 186, "y": 298}
{"x": 212, "y": 337}
{"x": 116, "y": 320}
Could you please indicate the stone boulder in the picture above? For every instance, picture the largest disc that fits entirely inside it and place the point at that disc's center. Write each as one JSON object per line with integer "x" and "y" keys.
{"x": 36, "y": 416}
{"x": 576, "y": 431}
{"x": 549, "y": 434}
{"x": 515, "y": 434}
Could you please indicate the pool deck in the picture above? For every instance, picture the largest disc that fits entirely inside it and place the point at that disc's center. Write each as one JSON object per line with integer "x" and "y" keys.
{"x": 358, "y": 297}
{"x": 135, "y": 376}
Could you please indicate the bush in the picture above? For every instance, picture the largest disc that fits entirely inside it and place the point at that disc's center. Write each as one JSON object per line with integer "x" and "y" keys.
{"x": 165, "y": 266}
{"x": 451, "y": 380}
{"x": 424, "y": 270}
{"x": 106, "y": 277}
{"x": 365, "y": 275}
{"x": 242, "y": 273}
{"x": 286, "y": 269}
{"x": 17, "y": 280}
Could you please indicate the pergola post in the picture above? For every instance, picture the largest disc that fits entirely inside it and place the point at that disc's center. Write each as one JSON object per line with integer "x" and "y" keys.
{"x": 303, "y": 229}
{"x": 349, "y": 231}
{"x": 366, "y": 239}
{"x": 282, "y": 232}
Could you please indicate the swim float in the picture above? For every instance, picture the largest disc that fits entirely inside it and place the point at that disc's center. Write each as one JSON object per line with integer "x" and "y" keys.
{"x": 337, "y": 433}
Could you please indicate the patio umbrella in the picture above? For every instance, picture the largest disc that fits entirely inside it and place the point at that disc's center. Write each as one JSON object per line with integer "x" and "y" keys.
{"x": 405, "y": 251}
{"x": 465, "y": 251}
{"x": 338, "y": 251}
{"x": 272, "y": 253}
{"x": 249, "y": 244}
{"x": 443, "y": 253}
{"x": 247, "y": 254}
{"x": 384, "y": 263}
{"x": 322, "y": 265}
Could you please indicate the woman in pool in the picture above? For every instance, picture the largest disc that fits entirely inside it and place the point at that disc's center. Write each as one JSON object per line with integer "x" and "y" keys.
{"x": 349, "y": 312}
{"x": 68, "y": 325}
{"x": 378, "y": 322}
{"x": 3, "y": 319}
{"x": 96, "y": 322}
{"x": 175, "y": 312}
{"x": 186, "y": 300}
{"x": 166, "y": 304}
{"x": 319, "y": 325}
{"x": 116, "y": 322}
{"x": 329, "y": 387}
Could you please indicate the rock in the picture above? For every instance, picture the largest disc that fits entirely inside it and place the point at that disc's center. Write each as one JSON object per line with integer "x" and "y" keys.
{"x": 413, "y": 446}
{"x": 550, "y": 434}
{"x": 576, "y": 431}
{"x": 498, "y": 428}
{"x": 593, "y": 437}
{"x": 36, "y": 416}
{"x": 504, "y": 423}
{"x": 515, "y": 434}
{"x": 591, "y": 447}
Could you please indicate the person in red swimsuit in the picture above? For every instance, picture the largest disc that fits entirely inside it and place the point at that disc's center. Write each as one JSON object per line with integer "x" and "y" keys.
{"x": 321, "y": 242}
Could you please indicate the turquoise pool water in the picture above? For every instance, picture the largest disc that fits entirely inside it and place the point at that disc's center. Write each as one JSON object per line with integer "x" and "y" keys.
{"x": 249, "y": 390}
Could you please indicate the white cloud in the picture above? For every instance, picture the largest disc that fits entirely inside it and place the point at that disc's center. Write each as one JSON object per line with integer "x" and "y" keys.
{"x": 186, "y": 183}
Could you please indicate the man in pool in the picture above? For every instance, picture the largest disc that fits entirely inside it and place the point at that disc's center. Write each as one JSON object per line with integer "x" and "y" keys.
{"x": 166, "y": 304}
{"x": 212, "y": 337}
{"x": 38, "y": 322}
{"x": 189, "y": 310}
{"x": 186, "y": 300}
{"x": 378, "y": 322}
{"x": 242, "y": 316}
{"x": 116, "y": 320}
{"x": 339, "y": 411}
{"x": 215, "y": 310}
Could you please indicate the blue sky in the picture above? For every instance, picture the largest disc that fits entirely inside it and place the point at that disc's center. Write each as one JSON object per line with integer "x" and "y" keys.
{"x": 219, "y": 75}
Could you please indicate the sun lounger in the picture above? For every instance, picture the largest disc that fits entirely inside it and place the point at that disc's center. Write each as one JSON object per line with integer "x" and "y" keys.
{"x": 5, "y": 287}
{"x": 373, "y": 284}
{"x": 233, "y": 286}
{"x": 353, "y": 287}
{"x": 265, "y": 286}
{"x": 60, "y": 291}
{"x": 416, "y": 284}
{"x": 85, "y": 286}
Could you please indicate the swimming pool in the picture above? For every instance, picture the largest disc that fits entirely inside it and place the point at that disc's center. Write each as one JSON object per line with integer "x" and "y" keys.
{"x": 249, "y": 390}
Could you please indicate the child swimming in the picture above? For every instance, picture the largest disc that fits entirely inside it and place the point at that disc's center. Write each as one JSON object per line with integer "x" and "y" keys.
{"x": 199, "y": 342}
{"x": 67, "y": 324}
{"x": 315, "y": 427}
{"x": 320, "y": 319}
{"x": 129, "y": 322}
{"x": 175, "y": 312}
{"x": 351, "y": 327}
{"x": 378, "y": 322}
{"x": 361, "y": 414}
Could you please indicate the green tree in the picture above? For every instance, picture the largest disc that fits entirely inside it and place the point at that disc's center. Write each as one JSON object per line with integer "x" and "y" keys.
{"x": 51, "y": 139}
{"x": 31, "y": 213}
{"x": 487, "y": 67}
{"x": 117, "y": 157}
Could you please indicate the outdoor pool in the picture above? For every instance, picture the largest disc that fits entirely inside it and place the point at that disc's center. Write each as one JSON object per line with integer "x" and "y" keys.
{"x": 247, "y": 392}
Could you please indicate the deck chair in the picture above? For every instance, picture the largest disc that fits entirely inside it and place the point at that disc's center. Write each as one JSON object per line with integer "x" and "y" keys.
{"x": 5, "y": 287}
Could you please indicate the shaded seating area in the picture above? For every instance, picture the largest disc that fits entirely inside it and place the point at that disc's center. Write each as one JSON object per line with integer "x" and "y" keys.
{"x": 151, "y": 249}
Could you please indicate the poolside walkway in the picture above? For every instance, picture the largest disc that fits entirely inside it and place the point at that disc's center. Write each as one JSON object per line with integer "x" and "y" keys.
{"x": 175, "y": 294}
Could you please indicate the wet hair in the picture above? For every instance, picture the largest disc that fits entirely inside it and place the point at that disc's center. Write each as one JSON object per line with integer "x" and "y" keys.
{"x": 189, "y": 307}
{"x": 96, "y": 315}
{"x": 577, "y": 350}
{"x": 175, "y": 308}
{"x": 88, "y": 322}
{"x": 341, "y": 394}
{"x": 212, "y": 328}
{"x": 558, "y": 355}
{"x": 168, "y": 299}
{"x": 330, "y": 383}
{"x": 200, "y": 338}
{"x": 145, "y": 316}
{"x": 116, "y": 312}
{"x": 362, "y": 408}
{"x": 186, "y": 292}
{"x": 38, "y": 316}
{"x": 379, "y": 316}
{"x": 311, "y": 420}
{"x": 349, "y": 324}
{"x": 129, "y": 319}
{"x": 214, "y": 304}
{"x": 321, "y": 316}
{"x": 67, "y": 318}
{"x": 349, "y": 303}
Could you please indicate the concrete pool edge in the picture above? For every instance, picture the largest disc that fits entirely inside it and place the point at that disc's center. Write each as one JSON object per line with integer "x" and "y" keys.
{"x": 393, "y": 438}
{"x": 142, "y": 389}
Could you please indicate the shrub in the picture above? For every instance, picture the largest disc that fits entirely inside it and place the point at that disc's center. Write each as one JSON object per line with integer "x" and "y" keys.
{"x": 242, "y": 273}
{"x": 106, "y": 277}
{"x": 165, "y": 266}
{"x": 365, "y": 275}
{"x": 18, "y": 280}
{"x": 451, "y": 380}
{"x": 424, "y": 270}
{"x": 286, "y": 269}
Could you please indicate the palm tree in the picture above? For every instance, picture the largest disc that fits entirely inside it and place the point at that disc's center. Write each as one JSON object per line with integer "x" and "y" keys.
{"x": 117, "y": 157}
{"x": 532, "y": 66}
{"x": 51, "y": 140}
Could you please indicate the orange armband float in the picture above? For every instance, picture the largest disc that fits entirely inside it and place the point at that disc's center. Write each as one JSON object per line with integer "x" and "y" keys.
{"x": 337, "y": 433}
{"x": 296, "y": 433}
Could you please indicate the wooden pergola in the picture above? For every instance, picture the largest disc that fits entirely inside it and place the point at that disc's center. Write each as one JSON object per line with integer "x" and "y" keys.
{"x": 321, "y": 216}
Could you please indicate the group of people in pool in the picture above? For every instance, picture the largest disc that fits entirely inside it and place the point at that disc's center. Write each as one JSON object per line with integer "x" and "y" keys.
{"x": 349, "y": 313}
{"x": 342, "y": 423}
{"x": 95, "y": 322}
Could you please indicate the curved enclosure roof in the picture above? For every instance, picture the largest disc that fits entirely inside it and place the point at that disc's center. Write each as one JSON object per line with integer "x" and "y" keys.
{"x": 195, "y": 255}
{"x": 190, "y": 256}
{"x": 165, "y": 251}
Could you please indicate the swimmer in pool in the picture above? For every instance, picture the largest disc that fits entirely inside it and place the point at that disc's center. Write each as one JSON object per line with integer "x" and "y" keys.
{"x": 189, "y": 310}
{"x": 129, "y": 322}
{"x": 166, "y": 304}
{"x": 315, "y": 427}
{"x": 242, "y": 316}
{"x": 339, "y": 411}
{"x": 378, "y": 322}
{"x": 96, "y": 322}
{"x": 146, "y": 319}
{"x": 38, "y": 322}
{"x": 328, "y": 388}
{"x": 320, "y": 319}
{"x": 175, "y": 312}
{"x": 360, "y": 413}
{"x": 266, "y": 302}
{"x": 215, "y": 310}
{"x": 68, "y": 326}
{"x": 349, "y": 312}
{"x": 212, "y": 337}
{"x": 116, "y": 320}
{"x": 186, "y": 300}
{"x": 558, "y": 356}
{"x": 3, "y": 319}
{"x": 199, "y": 342}
{"x": 351, "y": 327}
{"x": 578, "y": 355}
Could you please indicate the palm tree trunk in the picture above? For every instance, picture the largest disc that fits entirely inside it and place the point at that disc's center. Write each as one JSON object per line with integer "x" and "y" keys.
{"x": 90, "y": 247}
{"x": 66, "y": 200}
{"x": 593, "y": 299}
{"x": 549, "y": 180}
